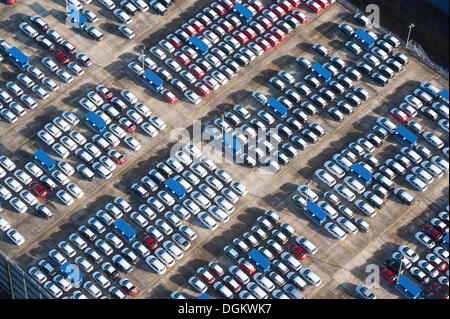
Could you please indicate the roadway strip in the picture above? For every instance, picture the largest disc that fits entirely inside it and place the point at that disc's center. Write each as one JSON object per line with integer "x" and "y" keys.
{"x": 88, "y": 197}
{"x": 192, "y": 249}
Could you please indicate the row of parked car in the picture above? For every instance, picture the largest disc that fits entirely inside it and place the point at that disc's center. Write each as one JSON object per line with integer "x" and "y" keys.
{"x": 275, "y": 240}
{"x": 229, "y": 42}
{"x": 33, "y": 78}
{"x": 428, "y": 271}
{"x": 381, "y": 62}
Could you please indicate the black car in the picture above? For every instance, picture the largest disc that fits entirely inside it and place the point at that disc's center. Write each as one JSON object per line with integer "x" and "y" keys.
{"x": 317, "y": 129}
{"x": 400, "y": 57}
{"x": 386, "y": 71}
{"x": 157, "y": 177}
{"x": 375, "y": 140}
{"x": 394, "y": 265}
{"x": 83, "y": 59}
{"x": 298, "y": 142}
{"x": 300, "y": 115}
{"x": 380, "y": 132}
{"x": 87, "y": 233}
{"x": 344, "y": 107}
{"x": 338, "y": 62}
{"x": 353, "y": 99}
{"x": 293, "y": 96}
{"x": 39, "y": 23}
{"x": 225, "y": 47}
{"x": 394, "y": 65}
{"x": 337, "y": 87}
{"x": 308, "y": 108}
{"x": 336, "y": 114}
{"x": 288, "y": 150}
{"x": 233, "y": 65}
{"x": 364, "y": 68}
{"x": 164, "y": 169}
{"x": 361, "y": 93}
{"x": 354, "y": 74}
{"x": 68, "y": 47}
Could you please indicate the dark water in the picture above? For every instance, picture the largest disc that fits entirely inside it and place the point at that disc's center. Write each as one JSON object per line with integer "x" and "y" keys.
{"x": 431, "y": 29}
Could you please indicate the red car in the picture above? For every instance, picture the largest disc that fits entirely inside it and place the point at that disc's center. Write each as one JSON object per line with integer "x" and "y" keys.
{"x": 226, "y": 25}
{"x": 277, "y": 10}
{"x": 218, "y": 8}
{"x": 117, "y": 157}
{"x": 196, "y": 70}
{"x": 300, "y": 16}
{"x": 387, "y": 274}
{"x": 169, "y": 96}
{"x": 182, "y": 57}
{"x": 256, "y": 4}
{"x": 249, "y": 32}
{"x": 323, "y": 3}
{"x": 10, "y": 2}
{"x": 127, "y": 125}
{"x": 205, "y": 275}
{"x": 128, "y": 287}
{"x": 189, "y": 29}
{"x": 104, "y": 92}
{"x": 263, "y": 43}
{"x": 399, "y": 114}
{"x": 197, "y": 25}
{"x": 265, "y": 22}
{"x": 439, "y": 290}
{"x": 149, "y": 241}
{"x": 38, "y": 189}
{"x": 174, "y": 40}
{"x": 295, "y": 3}
{"x": 297, "y": 251}
{"x": 61, "y": 56}
{"x": 241, "y": 37}
{"x": 314, "y": 6}
{"x": 433, "y": 233}
{"x": 227, "y": 4}
{"x": 246, "y": 266}
{"x": 278, "y": 33}
{"x": 286, "y": 5}
{"x": 271, "y": 39}
{"x": 202, "y": 89}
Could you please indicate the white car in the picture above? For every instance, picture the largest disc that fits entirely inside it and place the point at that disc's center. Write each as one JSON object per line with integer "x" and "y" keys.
{"x": 325, "y": 177}
{"x": 75, "y": 190}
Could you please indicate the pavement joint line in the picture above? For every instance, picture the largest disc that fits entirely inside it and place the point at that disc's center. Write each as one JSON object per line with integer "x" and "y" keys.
{"x": 256, "y": 66}
{"x": 192, "y": 249}
{"x": 88, "y": 197}
{"x": 334, "y": 131}
{"x": 69, "y": 85}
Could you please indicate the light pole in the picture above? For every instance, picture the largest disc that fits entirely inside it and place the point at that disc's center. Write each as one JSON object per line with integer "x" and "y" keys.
{"x": 411, "y": 25}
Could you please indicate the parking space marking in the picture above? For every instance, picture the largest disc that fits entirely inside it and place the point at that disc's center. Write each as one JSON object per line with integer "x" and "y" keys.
{"x": 88, "y": 197}
{"x": 192, "y": 249}
{"x": 69, "y": 85}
